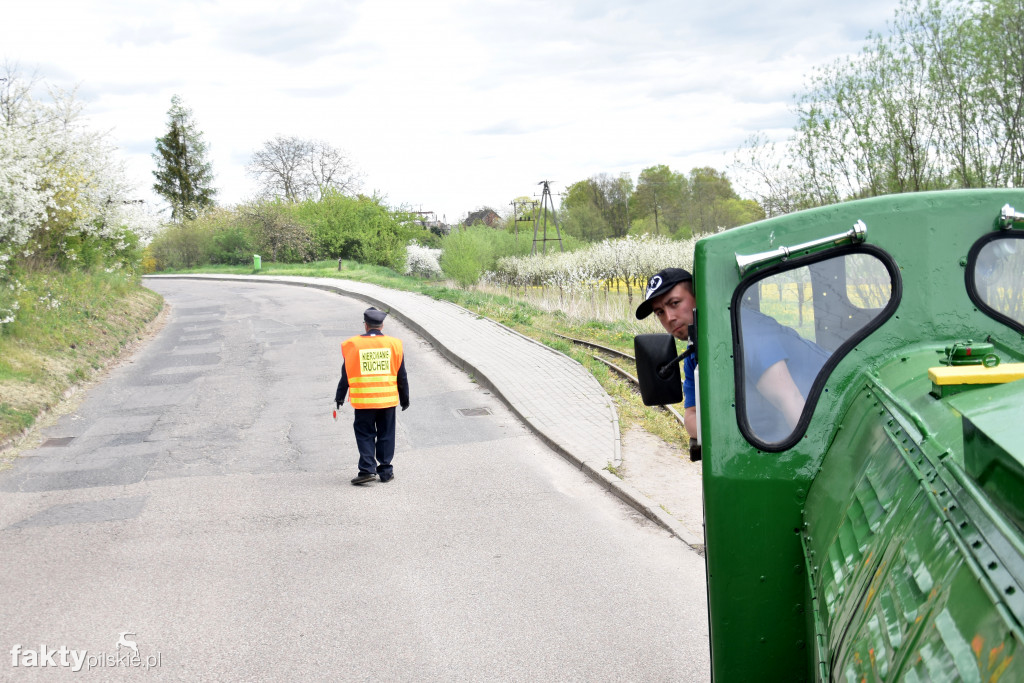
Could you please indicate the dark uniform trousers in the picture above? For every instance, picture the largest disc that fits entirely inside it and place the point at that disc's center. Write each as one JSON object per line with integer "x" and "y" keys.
{"x": 375, "y": 438}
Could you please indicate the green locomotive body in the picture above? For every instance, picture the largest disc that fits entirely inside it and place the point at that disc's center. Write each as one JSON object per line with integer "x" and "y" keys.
{"x": 879, "y": 534}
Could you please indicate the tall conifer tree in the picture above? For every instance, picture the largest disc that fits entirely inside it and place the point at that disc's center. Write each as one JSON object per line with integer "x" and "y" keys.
{"x": 183, "y": 175}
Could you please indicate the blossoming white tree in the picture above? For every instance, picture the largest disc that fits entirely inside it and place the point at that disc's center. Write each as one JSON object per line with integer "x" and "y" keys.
{"x": 579, "y": 283}
{"x": 626, "y": 262}
{"x": 422, "y": 261}
{"x": 63, "y": 191}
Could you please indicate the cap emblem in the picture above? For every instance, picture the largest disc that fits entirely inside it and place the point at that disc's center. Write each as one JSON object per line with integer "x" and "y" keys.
{"x": 653, "y": 286}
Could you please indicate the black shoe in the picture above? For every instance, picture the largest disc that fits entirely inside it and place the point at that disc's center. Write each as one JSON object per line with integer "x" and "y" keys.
{"x": 384, "y": 480}
{"x": 363, "y": 478}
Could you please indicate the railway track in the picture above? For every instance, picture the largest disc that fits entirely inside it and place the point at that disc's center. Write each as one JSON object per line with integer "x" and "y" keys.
{"x": 616, "y": 369}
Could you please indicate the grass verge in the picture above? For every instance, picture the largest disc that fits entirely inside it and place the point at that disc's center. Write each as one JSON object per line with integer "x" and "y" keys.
{"x": 70, "y": 325}
{"x": 517, "y": 314}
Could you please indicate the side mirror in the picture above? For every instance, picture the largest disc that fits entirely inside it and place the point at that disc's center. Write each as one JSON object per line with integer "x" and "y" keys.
{"x": 660, "y": 382}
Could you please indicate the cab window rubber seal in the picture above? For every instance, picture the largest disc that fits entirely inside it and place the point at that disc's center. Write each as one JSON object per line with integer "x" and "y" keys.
{"x": 971, "y": 283}
{"x": 826, "y": 370}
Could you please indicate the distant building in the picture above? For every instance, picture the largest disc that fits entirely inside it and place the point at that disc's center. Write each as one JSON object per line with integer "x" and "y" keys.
{"x": 428, "y": 219}
{"x": 488, "y": 217}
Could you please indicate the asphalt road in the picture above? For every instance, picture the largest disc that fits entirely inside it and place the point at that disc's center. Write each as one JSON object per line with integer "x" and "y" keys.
{"x": 199, "y": 500}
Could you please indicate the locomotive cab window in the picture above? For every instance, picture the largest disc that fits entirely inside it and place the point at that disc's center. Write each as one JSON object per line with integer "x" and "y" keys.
{"x": 995, "y": 276}
{"x": 793, "y": 323}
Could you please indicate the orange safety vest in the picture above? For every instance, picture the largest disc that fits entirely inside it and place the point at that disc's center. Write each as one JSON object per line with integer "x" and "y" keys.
{"x": 371, "y": 364}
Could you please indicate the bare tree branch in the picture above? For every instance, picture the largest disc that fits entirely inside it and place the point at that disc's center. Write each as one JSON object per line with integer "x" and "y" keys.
{"x": 295, "y": 169}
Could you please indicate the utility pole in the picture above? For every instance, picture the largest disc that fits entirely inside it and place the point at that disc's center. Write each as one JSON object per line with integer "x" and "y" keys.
{"x": 545, "y": 202}
{"x": 522, "y": 212}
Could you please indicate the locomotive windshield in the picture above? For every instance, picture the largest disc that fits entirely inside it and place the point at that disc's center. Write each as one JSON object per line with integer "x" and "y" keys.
{"x": 790, "y": 323}
{"x": 996, "y": 277}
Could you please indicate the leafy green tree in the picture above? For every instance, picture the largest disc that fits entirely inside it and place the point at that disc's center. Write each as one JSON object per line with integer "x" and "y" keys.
{"x": 598, "y": 207}
{"x": 359, "y": 228}
{"x": 937, "y": 102}
{"x": 581, "y": 212}
{"x": 184, "y": 176}
{"x": 618, "y": 191}
{"x": 767, "y": 172}
{"x": 975, "y": 58}
{"x": 660, "y": 194}
{"x": 710, "y": 203}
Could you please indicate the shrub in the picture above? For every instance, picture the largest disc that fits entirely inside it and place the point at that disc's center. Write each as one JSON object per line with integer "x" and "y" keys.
{"x": 276, "y": 232}
{"x": 382, "y": 242}
{"x": 232, "y": 246}
{"x": 466, "y": 253}
{"x": 178, "y": 246}
{"x": 358, "y": 228}
{"x": 216, "y": 236}
{"x": 422, "y": 261}
{"x": 469, "y": 252}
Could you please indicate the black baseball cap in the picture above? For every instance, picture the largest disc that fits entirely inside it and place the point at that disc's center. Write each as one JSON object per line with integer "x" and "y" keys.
{"x": 373, "y": 316}
{"x": 660, "y": 283}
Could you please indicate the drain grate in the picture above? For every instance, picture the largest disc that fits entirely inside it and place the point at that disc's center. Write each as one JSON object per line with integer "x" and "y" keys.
{"x": 474, "y": 412}
{"x": 57, "y": 441}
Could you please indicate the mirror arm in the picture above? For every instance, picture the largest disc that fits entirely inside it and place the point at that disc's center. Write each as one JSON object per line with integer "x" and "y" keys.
{"x": 663, "y": 370}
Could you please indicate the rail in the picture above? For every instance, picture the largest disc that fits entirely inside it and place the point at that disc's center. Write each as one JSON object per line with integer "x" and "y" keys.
{"x": 616, "y": 369}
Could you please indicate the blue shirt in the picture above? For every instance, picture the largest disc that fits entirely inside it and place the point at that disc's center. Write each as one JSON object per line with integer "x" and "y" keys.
{"x": 765, "y": 343}
{"x": 689, "y": 392}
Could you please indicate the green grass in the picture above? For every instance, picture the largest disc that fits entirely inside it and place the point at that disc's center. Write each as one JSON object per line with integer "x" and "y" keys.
{"x": 17, "y": 419}
{"x": 520, "y": 316}
{"x": 70, "y": 325}
{"x": 7, "y": 373}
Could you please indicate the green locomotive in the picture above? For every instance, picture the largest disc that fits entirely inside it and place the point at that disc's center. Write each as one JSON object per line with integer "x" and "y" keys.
{"x": 879, "y": 535}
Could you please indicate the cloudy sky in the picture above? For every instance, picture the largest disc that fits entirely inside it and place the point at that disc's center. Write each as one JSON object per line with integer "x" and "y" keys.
{"x": 445, "y": 105}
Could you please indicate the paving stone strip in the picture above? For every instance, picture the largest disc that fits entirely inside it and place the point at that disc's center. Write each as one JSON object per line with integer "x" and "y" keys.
{"x": 556, "y": 397}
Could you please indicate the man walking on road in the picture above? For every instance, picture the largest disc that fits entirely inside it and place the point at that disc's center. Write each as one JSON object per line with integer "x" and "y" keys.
{"x": 374, "y": 376}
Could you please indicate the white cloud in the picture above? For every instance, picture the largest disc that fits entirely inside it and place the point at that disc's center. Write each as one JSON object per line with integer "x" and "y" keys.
{"x": 446, "y": 105}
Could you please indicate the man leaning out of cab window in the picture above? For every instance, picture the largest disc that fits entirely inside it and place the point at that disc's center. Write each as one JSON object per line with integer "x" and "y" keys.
{"x": 776, "y": 398}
